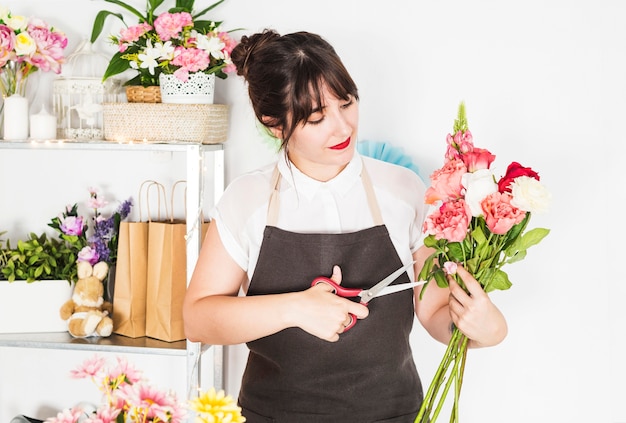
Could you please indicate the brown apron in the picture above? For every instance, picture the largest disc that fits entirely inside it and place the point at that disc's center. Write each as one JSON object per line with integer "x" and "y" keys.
{"x": 369, "y": 374}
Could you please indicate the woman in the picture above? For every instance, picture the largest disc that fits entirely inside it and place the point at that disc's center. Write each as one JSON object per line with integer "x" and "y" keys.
{"x": 321, "y": 209}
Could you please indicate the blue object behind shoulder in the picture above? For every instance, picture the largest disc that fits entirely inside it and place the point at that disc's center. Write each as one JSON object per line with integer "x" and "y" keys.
{"x": 388, "y": 153}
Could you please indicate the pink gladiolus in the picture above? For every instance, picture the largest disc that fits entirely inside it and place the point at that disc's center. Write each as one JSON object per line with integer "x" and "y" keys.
{"x": 500, "y": 215}
{"x": 450, "y": 222}
{"x": 170, "y": 25}
{"x": 446, "y": 182}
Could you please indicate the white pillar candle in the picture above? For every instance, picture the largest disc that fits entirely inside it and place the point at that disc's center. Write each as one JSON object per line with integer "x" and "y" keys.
{"x": 15, "y": 118}
{"x": 43, "y": 125}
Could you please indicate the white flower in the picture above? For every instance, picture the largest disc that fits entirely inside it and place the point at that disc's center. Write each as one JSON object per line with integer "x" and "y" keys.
{"x": 529, "y": 195}
{"x": 24, "y": 44}
{"x": 149, "y": 57}
{"x": 165, "y": 50}
{"x": 17, "y": 22}
{"x": 478, "y": 185}
{"x": 213, "y": 45}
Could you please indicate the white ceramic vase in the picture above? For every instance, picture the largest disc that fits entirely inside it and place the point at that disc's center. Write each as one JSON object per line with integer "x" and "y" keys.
{"x": 198, "y": 89}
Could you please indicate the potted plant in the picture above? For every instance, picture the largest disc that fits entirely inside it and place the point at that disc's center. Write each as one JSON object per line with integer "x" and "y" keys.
{"x": 175, "y": 42}
{"x": 40, "y": 271}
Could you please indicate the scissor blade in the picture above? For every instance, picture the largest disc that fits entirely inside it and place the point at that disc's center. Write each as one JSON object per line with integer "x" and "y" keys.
{"x": 373, "y": 291}
{"x": 400, "y": 287}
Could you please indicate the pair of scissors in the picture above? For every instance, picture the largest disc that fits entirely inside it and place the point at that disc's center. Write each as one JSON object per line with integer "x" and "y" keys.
{"x": 366, "y": 295}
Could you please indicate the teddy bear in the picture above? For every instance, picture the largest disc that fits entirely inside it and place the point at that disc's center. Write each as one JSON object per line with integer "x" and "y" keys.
{"x": 86, "y": 312}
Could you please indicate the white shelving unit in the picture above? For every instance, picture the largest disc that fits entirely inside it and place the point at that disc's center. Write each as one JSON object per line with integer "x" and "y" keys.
{"x": 195, "y": 161}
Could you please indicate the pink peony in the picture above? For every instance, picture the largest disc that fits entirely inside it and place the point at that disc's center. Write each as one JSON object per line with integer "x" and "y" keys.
{"x": 170, "y": 25}
{"x": 450, "y": 222}
{"x": 446, "y": 182}
{"x": 500, "y": 215}
{"x": 50, "y": 44}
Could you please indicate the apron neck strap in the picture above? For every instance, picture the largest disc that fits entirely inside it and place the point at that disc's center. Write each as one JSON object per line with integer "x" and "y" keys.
{"x": 372, "y": 202}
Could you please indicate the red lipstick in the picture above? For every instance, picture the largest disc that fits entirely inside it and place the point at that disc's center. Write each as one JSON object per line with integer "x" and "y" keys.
{"x": 341, "y": 146}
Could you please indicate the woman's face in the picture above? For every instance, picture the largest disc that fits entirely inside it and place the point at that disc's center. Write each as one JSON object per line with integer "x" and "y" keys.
{"x": 323, "y": 145}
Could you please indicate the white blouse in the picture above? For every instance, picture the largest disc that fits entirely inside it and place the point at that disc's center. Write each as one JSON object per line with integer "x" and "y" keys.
{"x": 310, "y": 206}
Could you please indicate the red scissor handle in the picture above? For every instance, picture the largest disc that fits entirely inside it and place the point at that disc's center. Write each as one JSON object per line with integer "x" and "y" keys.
{"x": 342, "y": 292}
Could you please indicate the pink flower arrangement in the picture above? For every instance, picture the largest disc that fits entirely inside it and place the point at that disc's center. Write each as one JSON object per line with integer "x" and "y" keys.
{"x": 129, "y": 398}
{"x": 480, "y": 222}
{"x": 174, "y": 42}
{"x": 27, "y": 45}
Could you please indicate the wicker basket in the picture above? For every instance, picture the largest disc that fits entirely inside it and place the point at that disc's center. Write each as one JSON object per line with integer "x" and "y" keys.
{"x": 203, "y": 123}
{"x": 139, "y": 94}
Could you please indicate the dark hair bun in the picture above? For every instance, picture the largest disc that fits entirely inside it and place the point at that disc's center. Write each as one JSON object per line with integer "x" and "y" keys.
{"x": 243, "y": 55}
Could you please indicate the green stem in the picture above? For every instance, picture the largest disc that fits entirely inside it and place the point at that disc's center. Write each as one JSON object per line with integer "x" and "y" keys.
{"x": 455, "y": 354}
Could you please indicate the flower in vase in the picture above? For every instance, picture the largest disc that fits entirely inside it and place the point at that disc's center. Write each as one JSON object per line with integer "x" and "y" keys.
{"x": 174, "y": 42}
{"x": 27, "y": 45}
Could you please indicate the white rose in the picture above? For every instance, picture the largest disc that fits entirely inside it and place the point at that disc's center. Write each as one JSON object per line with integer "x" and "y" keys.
{"x": 25, "y": 45}
{"x": 529, "y": 195}
{"x": 478, "y": 185}
{"x": 17, "y": 22}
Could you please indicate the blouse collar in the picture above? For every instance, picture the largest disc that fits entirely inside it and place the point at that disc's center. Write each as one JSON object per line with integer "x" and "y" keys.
{"x": 307, "y": 186}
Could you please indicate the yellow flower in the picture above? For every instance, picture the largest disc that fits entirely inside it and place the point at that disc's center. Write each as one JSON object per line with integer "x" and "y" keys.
{"x": 216, "y": 407}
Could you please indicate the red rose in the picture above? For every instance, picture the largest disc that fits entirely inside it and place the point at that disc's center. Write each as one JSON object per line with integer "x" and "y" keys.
{"x": 515, "y": 170}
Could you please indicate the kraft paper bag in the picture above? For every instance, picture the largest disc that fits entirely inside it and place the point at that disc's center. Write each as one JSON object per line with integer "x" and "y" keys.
{"x": 131, "y": 276}
{"x": 167, "y": 278}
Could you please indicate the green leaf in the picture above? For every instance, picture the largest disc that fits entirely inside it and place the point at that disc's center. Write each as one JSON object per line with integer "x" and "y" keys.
{"x": 456, "y": 252}
{"x": 204, "y": 11}
{"x": 440, "y": 278}
{"x": 134, "y": 11}
{"x": 98, "y": 23}
{"x": 116, "y": 66}
{"x": 533, "y": 237}
{"x": 497, "y": 280}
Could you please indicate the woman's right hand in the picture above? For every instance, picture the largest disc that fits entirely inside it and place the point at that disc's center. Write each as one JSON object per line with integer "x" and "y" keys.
{"x": 324, "y": 314}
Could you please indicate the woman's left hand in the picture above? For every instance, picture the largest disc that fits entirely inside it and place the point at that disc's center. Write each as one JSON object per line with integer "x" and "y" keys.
{"x": 474, "y": 314}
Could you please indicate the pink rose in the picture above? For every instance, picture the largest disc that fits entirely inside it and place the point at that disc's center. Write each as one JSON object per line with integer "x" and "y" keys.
{"x": 477, "y": 159}
{"x": 515, "y": 170}
{"x": 450, "y": 222}
{"x": 500, "y": 215}
{"x": 446, "y": 182}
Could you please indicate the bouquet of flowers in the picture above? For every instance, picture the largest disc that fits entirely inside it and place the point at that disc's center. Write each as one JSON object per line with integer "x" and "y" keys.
{"x": 129, "y": 398}
{"x": 101, "y": 244}
{"x": 174, "y": 42}
{"x": 480, "y": 223}
{"x": 27, "y": 45}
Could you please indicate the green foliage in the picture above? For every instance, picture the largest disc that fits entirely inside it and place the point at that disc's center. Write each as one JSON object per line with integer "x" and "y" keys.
{"x": 482, "y": 253}
{"x": 38, "y": 258}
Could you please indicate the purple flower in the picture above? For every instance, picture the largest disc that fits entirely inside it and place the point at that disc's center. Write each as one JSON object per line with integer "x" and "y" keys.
{"x": 72, "y": 225}
{"x": 88, "y": 254}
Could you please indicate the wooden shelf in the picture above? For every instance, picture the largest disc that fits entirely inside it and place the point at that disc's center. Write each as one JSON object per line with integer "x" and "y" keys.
{"x": 113, "y": 343}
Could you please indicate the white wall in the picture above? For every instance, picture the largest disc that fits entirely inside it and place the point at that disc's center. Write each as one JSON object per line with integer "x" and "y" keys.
{"x": 544, "y": 83}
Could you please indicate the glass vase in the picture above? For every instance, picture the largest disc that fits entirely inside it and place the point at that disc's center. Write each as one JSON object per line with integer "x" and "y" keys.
{"x": 12, "y": 79}
{"x": 12, "y": 82}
